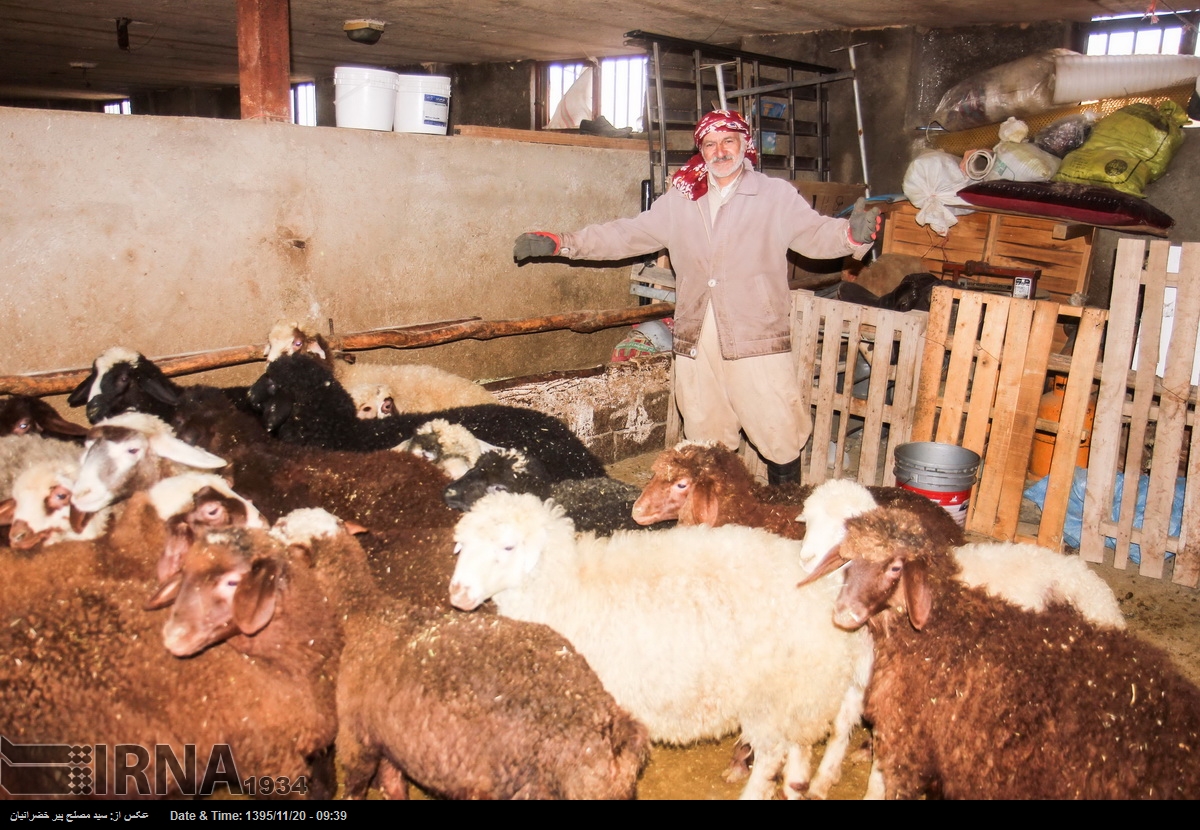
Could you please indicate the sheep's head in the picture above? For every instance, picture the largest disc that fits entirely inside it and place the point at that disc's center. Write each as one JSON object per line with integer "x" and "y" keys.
{"x": 287, "y": 337}
{"x": 373, "y": 400}
{"x": 887, "y": 550}
{"x": 687, "y": 482}
{"x": 497, "y": 471}
{"x": 191, "y": 504}
{"x": 499, "y": 542}
{"x": 229, "y": 583}
{"x": 298, "y": 396}
{"x": 825, "y": 513}
{"x": 24, "y": 415}
{"x": 40, "y": 511}
{"x": 127, "y": 452}
{"x": 122, "y": 380}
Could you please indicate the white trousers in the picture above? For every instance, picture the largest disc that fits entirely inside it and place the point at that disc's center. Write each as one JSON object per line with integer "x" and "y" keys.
{"x": 757, "y": 395}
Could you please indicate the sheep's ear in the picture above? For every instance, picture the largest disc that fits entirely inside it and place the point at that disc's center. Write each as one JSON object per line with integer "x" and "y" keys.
{"x": 705, "y": 507}
{"x": 917, "y": 597}
{"x": 50, "y": 421}
{"x": 79, "y": 395}
{"x": 353, "y": 528}
{"x": 7, "y": 508}
{"x": 179, "y": 540}
{"x": 254, "y": 600}
{"x": 303, "y": 552}
{"x": 161, "y": 390}
{"x": 165, "y": 595}
{"x": 830, "y": 563}
{"x": 170, "y": 447}
{"x": 79, "y": 519}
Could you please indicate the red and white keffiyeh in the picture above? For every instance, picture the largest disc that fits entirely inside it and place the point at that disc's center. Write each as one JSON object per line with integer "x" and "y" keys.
{"x": 692, "y": 178}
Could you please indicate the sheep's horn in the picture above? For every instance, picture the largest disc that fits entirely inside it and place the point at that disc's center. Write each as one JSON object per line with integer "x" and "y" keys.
{"x": 832, "y": 561}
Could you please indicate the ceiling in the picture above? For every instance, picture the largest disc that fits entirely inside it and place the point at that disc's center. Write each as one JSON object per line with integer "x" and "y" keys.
{"x": 69, "y": 48}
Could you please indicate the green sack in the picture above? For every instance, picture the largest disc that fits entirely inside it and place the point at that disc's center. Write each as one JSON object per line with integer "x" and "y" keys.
{"x": 1128, "y": 149}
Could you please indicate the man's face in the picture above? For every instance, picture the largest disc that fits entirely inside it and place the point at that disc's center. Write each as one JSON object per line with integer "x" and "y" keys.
{"x": 723, "y": 153}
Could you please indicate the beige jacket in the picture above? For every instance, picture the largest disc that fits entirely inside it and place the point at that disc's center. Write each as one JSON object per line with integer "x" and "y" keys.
{"x": 739, "y": 264}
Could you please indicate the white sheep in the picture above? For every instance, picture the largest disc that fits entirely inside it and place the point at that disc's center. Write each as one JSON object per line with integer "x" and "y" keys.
{"x": 1025, "y": 574}
{"x": 690, "y": 639}
{"x": 137, "y": 450}
{"x": 450, "y": 446}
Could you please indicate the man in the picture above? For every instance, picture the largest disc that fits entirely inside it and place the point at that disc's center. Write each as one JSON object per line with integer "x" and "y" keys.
{"x": 727, "y": 229}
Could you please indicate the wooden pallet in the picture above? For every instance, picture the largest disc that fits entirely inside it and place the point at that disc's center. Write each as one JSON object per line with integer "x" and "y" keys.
{"x": 889, "y": 340}
{"x": 1134, "y": 400}
{"x": 982, "y": 377}
{"x": 819, "y": 360}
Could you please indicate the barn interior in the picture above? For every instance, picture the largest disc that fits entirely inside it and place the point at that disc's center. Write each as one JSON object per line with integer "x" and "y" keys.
{"x": 186, "y": 226}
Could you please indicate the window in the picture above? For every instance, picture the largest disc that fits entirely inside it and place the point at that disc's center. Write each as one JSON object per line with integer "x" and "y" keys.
{"x": 619, "y": 96}
{"x": 304, "y": 104}
{"x": 118, "y": 107}
{"x": 1173, "y": 33}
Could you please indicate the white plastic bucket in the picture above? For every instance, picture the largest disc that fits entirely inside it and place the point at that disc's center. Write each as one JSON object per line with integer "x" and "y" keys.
{"x": 364, "y": 98}
{"x": 422, "y": 104}
{"x": 942, "y": 473}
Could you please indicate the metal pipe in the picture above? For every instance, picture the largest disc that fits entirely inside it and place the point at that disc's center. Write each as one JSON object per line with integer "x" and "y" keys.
{"x": 862, "y": 142}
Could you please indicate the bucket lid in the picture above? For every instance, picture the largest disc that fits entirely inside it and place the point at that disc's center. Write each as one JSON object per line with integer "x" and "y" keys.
{"x": 423, "y": 83}
{"x": 934, "y": 455}
{"x": 364, "y": 73}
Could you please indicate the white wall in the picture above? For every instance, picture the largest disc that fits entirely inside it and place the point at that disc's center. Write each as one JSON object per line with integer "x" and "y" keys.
{"x": 172, "y": 235}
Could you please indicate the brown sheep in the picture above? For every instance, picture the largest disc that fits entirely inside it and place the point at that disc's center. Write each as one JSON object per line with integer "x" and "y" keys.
{"x": 708, "y": 484}
{"x": 973, "y": 697}
{"x": 84, "y": 664}
{"x": 465, "y": 706}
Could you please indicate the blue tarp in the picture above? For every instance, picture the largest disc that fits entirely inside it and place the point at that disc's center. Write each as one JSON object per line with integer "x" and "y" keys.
{"x": 1073, "y": 526}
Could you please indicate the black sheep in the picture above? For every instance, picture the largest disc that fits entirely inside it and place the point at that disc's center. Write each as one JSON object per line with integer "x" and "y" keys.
{"x": 301, "y": 402}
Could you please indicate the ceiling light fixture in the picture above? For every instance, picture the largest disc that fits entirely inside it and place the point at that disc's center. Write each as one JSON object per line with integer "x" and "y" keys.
{"x": 364, "y": 31}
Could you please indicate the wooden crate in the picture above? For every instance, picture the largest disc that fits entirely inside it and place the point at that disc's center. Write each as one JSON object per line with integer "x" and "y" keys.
{"x": 1002, "y": 239}
{"x": 1134, "y": 401}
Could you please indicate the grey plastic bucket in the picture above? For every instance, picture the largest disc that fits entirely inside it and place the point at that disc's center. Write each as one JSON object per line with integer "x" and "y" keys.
{"x": 942, "y": 473}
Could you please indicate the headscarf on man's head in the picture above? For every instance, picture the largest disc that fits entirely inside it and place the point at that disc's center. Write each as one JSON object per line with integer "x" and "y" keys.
{"x": 692, "y": 178}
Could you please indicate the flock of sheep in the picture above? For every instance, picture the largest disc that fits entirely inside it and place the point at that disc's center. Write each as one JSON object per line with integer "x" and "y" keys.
{"x": 344, "y": 577}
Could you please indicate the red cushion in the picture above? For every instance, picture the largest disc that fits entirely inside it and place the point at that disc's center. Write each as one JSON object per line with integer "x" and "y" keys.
{"x": 1095, "y": 205}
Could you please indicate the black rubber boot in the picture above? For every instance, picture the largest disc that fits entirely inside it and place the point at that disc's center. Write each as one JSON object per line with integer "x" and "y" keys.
{"x": 788, "y": 473}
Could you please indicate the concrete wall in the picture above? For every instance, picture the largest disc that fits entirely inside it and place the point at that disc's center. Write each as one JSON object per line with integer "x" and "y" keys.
{"x": 171, "y": 235}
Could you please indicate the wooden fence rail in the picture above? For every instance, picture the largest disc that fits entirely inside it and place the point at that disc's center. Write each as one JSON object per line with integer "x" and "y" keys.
{"x": 403, "y": 337}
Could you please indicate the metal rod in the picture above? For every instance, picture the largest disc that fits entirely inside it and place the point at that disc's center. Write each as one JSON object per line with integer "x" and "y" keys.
{"x": 780, "y": 87}
{"x": 862, "y": 141}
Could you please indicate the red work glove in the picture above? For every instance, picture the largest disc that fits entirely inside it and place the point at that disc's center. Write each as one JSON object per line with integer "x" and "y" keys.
{"x": 864, "y": 223}
{"x": 537, "y": 243}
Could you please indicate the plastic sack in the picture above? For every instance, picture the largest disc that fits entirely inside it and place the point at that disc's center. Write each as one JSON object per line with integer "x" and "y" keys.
{"x": 1065, "y": 134}
{"x": 1128, "y": 149}
{"x": 576, "y": 104}
{"x": 1020, "y": 161}
{"x": 931, "y": 183}
{"x": 1013, "y": 129}
{"x": 1073, "y": 524}
{"x": 1019, "y": 88}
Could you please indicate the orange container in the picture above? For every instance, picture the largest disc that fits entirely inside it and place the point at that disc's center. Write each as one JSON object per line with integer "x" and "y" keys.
{"x": 1043, "y": 442}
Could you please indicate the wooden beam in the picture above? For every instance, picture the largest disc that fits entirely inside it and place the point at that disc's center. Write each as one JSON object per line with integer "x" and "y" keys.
{"x": 264, "y": 62}
{"x": 402, "y": 337}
